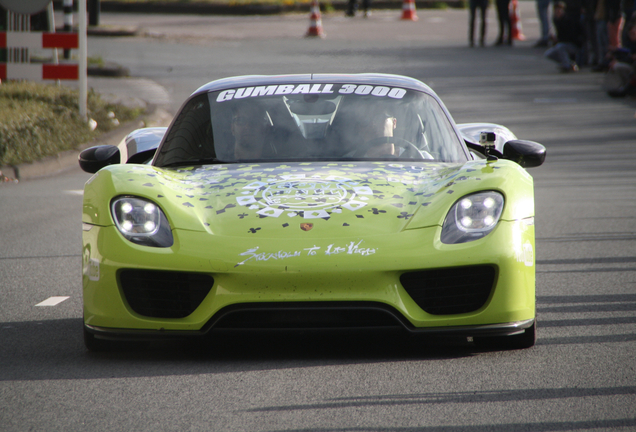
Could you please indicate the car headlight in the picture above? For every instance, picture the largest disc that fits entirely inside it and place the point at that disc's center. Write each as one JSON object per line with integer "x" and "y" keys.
{"x": 472, "y": 217}
{"x": 141, "y": 221}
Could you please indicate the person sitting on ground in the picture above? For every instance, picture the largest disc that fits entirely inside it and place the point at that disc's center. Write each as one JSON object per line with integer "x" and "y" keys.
{"x": 570, "y": 39}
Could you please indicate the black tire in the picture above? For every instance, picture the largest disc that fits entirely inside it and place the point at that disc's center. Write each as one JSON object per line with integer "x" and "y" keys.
{"x": 527, "y": 339}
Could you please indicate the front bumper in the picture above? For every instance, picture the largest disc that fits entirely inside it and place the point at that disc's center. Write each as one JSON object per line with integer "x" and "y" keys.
{"x": 503, "y": 329}
{"x": 365, "y": 280}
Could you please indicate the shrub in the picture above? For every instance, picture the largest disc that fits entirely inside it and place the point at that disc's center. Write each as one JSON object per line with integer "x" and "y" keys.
{"x": 39, "y": 120}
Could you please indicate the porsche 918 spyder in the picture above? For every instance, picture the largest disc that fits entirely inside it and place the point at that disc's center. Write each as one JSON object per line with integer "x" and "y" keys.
{"x": 318, "y": 201}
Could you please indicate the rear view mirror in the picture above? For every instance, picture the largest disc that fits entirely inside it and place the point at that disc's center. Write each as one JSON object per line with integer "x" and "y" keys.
{"x": 95, "y": 158}
{"x": 528, "y": 154}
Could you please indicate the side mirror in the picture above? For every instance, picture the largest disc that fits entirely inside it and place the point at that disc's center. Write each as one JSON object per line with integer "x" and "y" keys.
{"x": 95, "y": 158}
{"x": 528, "y": 154}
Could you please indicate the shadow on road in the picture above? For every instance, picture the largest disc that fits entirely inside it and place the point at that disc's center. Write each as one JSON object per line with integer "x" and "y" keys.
{"x": 54, "y": 349}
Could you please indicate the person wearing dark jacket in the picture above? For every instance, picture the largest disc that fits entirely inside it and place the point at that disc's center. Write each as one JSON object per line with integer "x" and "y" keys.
{"x": 570, "y": 38}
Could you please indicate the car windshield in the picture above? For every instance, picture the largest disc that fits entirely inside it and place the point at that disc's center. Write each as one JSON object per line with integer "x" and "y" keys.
{"x": 299, "y": 122}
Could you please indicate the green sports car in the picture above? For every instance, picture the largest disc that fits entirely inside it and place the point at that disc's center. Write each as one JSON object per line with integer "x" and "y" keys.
{"x": 318, "y": 201}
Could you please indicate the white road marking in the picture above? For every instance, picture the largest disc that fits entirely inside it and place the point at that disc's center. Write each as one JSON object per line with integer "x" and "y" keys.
{"x": 52, "y": 301}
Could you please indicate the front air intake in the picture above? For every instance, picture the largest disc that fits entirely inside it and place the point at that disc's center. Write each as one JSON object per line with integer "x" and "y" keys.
{"x": 164, "y": 294}
{"x": 450, "y": 291}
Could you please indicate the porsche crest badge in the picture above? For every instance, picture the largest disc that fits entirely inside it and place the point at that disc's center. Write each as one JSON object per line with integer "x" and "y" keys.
{"x": 305, "y": 226}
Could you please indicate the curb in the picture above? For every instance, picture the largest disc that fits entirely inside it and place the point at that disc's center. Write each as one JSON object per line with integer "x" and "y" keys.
{"x": 64, "y": 161}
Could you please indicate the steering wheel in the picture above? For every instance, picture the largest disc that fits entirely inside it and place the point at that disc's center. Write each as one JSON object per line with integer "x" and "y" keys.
{"x": 410, "y": 151}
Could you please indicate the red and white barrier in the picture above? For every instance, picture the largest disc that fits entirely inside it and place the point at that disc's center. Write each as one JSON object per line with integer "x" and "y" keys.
{"x": 21, "y": 40}
{"x": 38, "y": 72}
{"x": 38, "y": 40}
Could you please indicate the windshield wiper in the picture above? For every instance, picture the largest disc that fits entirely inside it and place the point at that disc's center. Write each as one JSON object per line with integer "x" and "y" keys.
{"x": 207, "y": 161}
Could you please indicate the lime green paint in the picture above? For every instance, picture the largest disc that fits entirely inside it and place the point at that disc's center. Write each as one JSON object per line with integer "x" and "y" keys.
{"x": 379, "y": 220}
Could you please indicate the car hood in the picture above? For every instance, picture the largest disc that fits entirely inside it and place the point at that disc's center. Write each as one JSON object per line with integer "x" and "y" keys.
{"x": 320, "y": 198}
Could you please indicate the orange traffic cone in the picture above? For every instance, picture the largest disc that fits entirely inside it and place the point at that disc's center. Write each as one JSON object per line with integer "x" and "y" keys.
{"x": 408, "y": 10}
{"x": 315, "y": 21}
{"x": 515, "y": 21}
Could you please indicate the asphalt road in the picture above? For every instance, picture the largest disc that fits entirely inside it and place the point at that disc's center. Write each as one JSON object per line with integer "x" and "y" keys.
{"x": 581, "y": 375}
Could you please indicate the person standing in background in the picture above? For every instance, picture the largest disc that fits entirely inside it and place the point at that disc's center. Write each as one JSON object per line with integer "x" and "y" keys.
{"x": 600, "y": 20}
{"x": 614, "y": 19}
{"x": 352, "y": 7}
{"x": 505, "y": 30}
{"x": 629, "y": 14}
{"x": 594, "y": 56}
{"x": 543, "y": 7}
{"x": 482, "y": 5}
